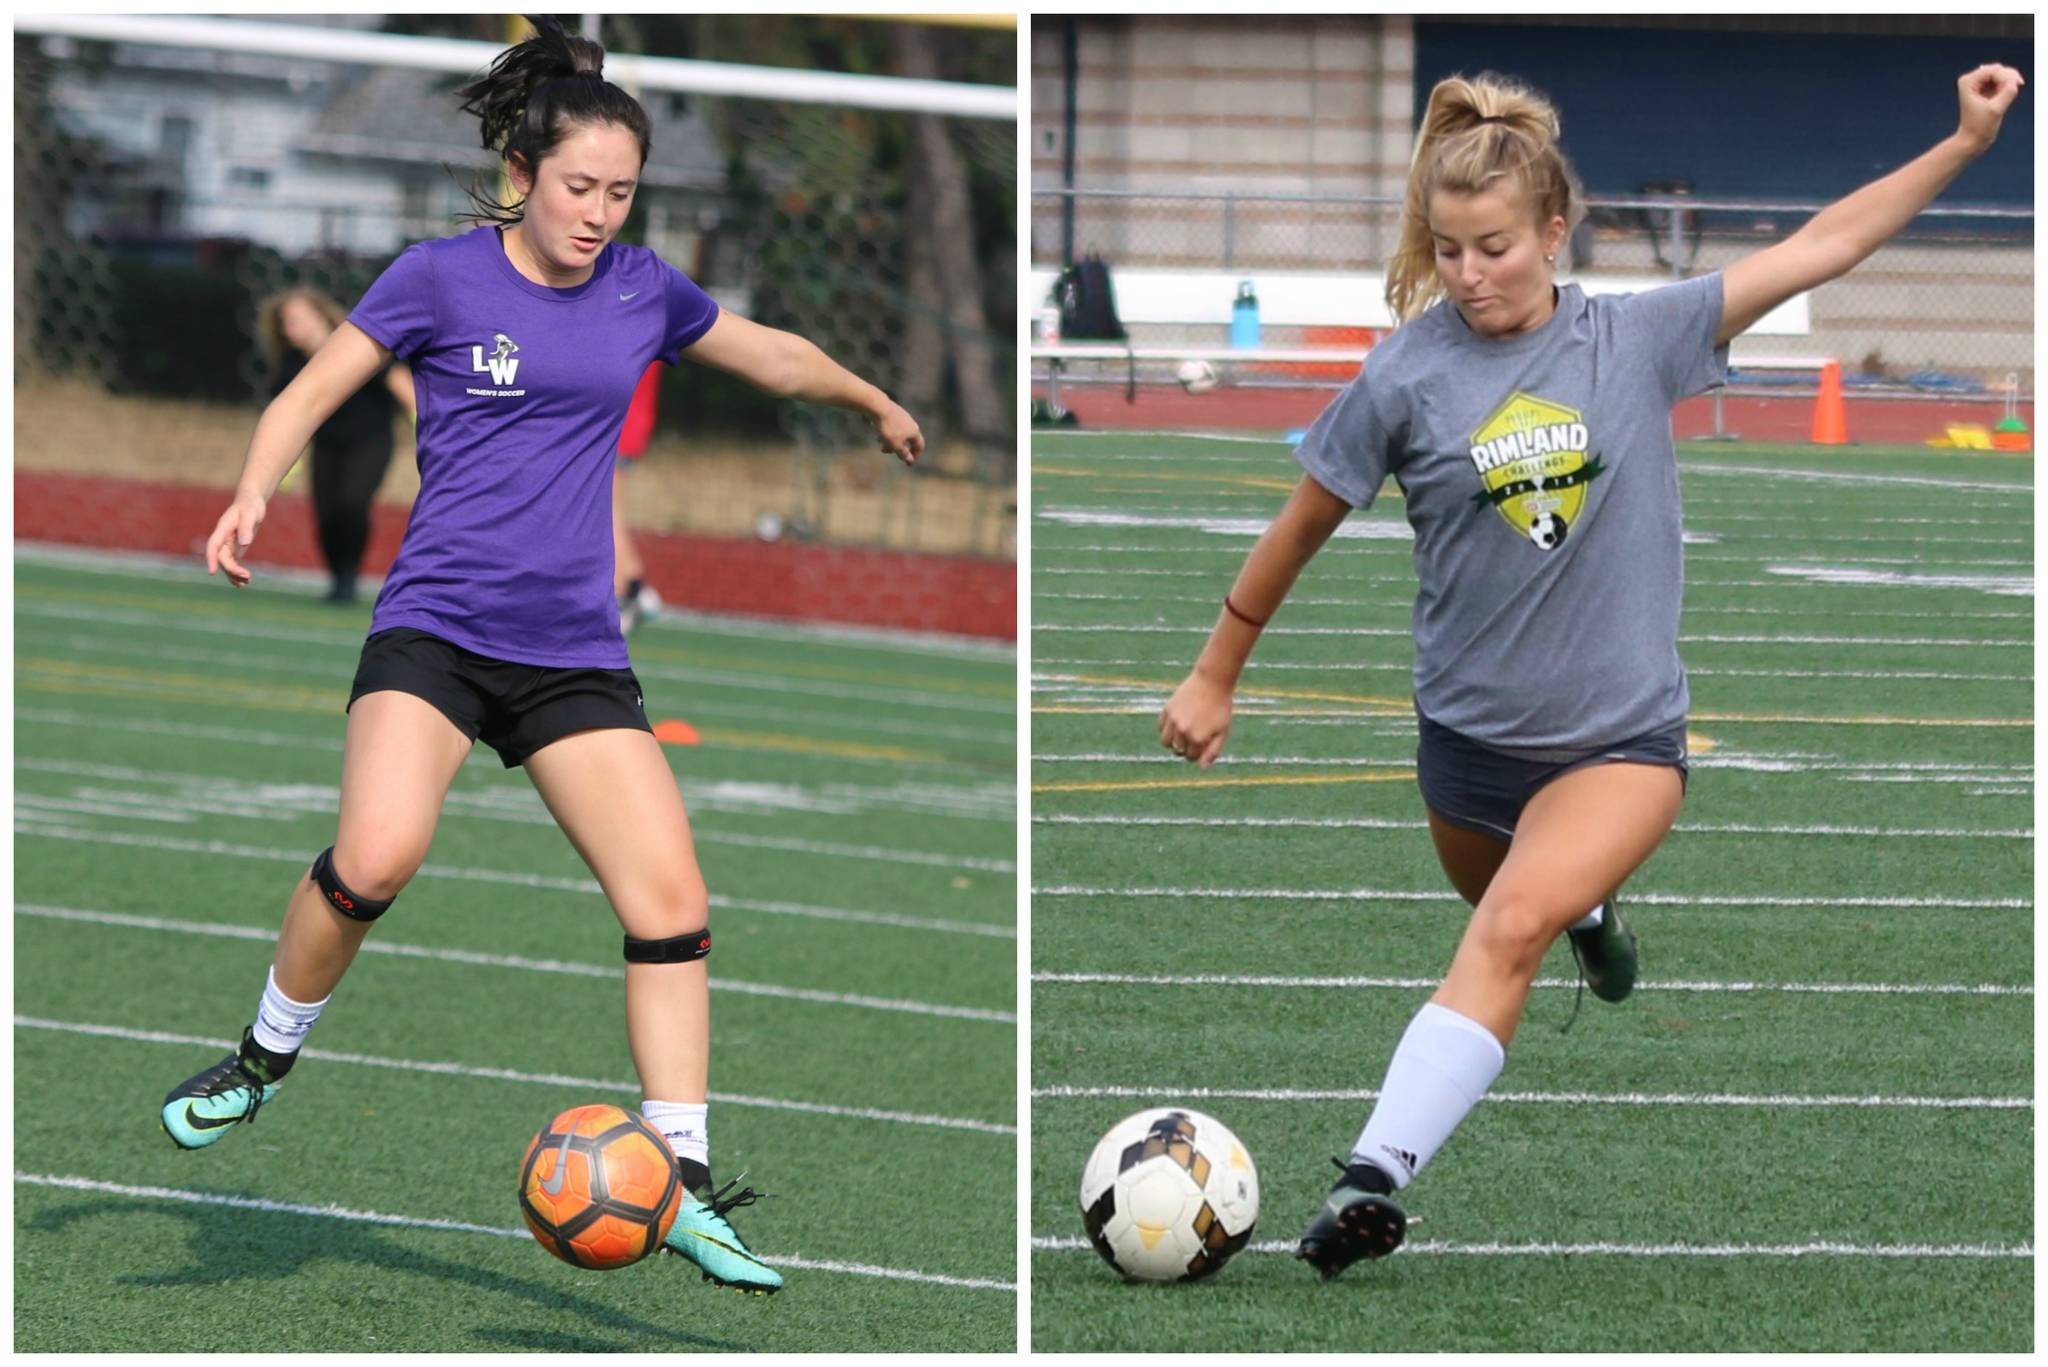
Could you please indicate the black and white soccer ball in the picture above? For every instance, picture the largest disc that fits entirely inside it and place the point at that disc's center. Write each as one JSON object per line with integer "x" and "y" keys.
{"x": 1197, "y": 377}
{"x": 1169, "y": 1195}
{"x": 1547, "y": 531}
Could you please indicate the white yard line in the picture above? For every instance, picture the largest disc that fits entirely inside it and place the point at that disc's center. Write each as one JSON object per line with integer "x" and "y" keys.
{"x": 1778, "y": 1101}
{"x": 511, "y": 1075}
{"x": 1416, "y": 984}
{"x": 1657, "y": 899}
{"x": 206, "y": 1198}
{"x": 1820, "y": 1249}
{"x": 226, "y": 850}
{"x": 738, "y": 987}
{"x": 225, "y": 795}
{"x": 1386, "y": 824}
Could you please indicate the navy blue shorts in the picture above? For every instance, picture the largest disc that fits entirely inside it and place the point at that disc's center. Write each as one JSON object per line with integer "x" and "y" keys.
{"x": 513, "y": 708}
{"x": 1483, "y": 790}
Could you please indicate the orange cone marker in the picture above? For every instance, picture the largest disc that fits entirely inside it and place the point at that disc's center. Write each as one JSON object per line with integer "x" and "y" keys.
{"x": 1830, "y": 421}
{"x": 673, "y": 732}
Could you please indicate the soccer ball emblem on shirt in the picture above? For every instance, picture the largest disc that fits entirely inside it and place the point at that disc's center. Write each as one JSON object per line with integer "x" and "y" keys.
{"x": 1197, "y": 377}
{"x": 1169, "y": 1195}
{"x": 599, "y": 1187}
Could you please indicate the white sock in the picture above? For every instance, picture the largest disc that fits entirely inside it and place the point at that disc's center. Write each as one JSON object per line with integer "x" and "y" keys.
{"x": 683, "y": 1125}
{"x": 1591, "y": 918}
{"x": 1444, "y": 1064}
{"x": 281, "y": 1023}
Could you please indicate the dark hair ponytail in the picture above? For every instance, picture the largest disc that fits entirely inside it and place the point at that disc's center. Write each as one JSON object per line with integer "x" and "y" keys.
{"x": 534, "y": 93}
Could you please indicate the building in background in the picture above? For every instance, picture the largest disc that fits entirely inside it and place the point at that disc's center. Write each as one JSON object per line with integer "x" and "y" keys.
{"x": 1195, "y": 153}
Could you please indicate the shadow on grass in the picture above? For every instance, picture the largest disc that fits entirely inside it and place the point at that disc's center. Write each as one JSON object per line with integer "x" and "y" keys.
{"x": 242, "y": 1245}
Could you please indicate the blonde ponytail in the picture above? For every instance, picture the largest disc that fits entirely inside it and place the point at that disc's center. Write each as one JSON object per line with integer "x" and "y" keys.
{"x": 1475, "y": 134}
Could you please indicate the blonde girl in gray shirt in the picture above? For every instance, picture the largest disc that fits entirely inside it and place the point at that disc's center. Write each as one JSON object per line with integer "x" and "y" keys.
{"x": 1528, "y": 427}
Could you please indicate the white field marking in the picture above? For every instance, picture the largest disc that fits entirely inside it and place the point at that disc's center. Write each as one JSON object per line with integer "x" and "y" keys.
{"x": 37, "y": 803}
{"x": 1373, "y": 823}
{"x": 1421, "y": 984}
{"x": 1363, "y": 529}
{"x": 1692, "y": 610}
{"x": 943, "y": 1122}
{"x": 765, "y": 682}
{"x": 207, "y": 1198}
{"x": 2011, "y": 586}
{"x": 222, "y": 795}
{"x": 222, "y": 849}
{"x": 1453, "y": 1248}
{"x": 146, "y": 564}
{"x": 1257, "y": 665}
{"x": 984, "y": 803}
{"x": 573, "y": 969}
{"x": 840, "y": 720}
{"x": 1655, "y": 899}
{"x": 1406, "y": 582}
{"x": 1926, "y": 770}
{"x": 1151, "y": 628}
{"x": 1693, "y": 467}
{"x": 1931, "y": 1103}
{"x": 1121, "y": 433}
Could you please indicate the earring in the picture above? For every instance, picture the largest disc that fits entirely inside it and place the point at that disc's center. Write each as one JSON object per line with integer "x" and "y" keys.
{"x": 1551, "y": 259}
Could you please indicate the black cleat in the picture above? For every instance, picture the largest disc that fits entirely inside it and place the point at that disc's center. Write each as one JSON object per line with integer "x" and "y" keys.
{"x": 1358, "y": 1220}
{"x": 1606, "y": 955}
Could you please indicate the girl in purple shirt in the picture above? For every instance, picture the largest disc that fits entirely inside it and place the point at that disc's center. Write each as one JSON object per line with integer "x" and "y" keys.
{"x": 525, "y": 337}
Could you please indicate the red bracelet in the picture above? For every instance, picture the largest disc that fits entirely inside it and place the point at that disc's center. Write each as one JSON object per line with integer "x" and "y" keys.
{"x": 1233, "y": 610}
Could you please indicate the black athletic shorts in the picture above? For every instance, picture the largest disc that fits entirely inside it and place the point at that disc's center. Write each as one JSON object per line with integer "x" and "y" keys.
{"x": 1484, "y": 790}
{"x": 513, "y": 708}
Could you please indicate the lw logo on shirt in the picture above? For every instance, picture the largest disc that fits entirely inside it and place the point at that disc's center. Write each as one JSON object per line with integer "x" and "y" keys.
{"x": 1533, "y": 468}
{"x": 502, "y": 364}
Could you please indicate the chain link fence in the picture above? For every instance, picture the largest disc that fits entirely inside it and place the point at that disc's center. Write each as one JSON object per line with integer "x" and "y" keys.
{"x": 163, "y": 194}
{"x": 1945, "y": 307}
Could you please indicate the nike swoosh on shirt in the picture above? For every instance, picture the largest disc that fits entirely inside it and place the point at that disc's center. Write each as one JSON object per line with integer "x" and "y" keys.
{"x": 553, "y": 1186}
{"x": 624, "y": 297}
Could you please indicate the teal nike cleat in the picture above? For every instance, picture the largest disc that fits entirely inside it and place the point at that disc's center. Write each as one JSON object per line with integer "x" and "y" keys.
{"x": 1607, "y": 955}
{"x": 203, "y": 1109}
{"x": 702, "y": 1234}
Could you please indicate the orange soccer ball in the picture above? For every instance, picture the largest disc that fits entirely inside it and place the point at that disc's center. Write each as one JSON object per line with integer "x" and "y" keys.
{"x": 599, "y": 1187}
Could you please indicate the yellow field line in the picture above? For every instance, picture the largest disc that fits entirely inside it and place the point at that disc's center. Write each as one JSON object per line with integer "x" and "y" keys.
{"x": 1266, "y": 781}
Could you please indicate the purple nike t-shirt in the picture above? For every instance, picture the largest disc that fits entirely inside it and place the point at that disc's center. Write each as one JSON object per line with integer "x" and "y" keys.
{"x": 522, "y": 391}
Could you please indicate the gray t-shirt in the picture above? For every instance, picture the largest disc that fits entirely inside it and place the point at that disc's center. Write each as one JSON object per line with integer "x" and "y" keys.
{"x": 1543, "y": 489}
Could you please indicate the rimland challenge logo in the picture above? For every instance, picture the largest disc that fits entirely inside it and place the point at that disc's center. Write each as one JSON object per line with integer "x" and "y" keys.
{"x": 1533, "y": 467}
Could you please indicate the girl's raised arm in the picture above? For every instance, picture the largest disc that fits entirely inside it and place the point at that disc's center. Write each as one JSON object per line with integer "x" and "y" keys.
{"x": 1850, "y": 229}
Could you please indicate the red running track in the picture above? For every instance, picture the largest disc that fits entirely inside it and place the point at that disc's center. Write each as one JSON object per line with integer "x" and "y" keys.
{"x": 848, "y": 585}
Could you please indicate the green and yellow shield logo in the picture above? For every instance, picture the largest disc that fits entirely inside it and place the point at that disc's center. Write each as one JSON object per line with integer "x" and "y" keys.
{"x": 1533, "y": 467}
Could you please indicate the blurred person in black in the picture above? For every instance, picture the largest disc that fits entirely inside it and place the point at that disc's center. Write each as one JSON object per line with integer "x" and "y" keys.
{"x": 352, "y": 449}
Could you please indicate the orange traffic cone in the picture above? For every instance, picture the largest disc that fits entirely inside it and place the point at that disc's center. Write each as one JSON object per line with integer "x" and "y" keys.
{"x": 1830, "y": 422}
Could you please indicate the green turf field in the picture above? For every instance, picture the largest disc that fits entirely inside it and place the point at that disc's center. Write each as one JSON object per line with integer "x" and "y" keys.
{"x": 1812, "y": 1126}
{"x": 854, "y": 805}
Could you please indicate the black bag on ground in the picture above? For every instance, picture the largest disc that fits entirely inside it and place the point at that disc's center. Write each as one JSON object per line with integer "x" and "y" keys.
{"x": 1087, "y": 305}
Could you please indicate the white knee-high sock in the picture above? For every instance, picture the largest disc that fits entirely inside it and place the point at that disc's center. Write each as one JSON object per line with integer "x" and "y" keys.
{"x": 684, "y": 1125}
{"x": 281, "y": 1023}
{"x": 1444, "y": 1064}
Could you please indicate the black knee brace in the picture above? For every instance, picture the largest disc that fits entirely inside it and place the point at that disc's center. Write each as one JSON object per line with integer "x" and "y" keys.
{"x": 676, "y": 949}
{"x": 351, "y": 904}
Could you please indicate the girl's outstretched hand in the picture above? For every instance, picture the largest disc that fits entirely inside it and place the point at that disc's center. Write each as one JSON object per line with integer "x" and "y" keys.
{"x": 231, "y": 538}
{"x": 899, "y": 433}
{"x": 1986, "y": 94}
{"x": 1195, "y": 720}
